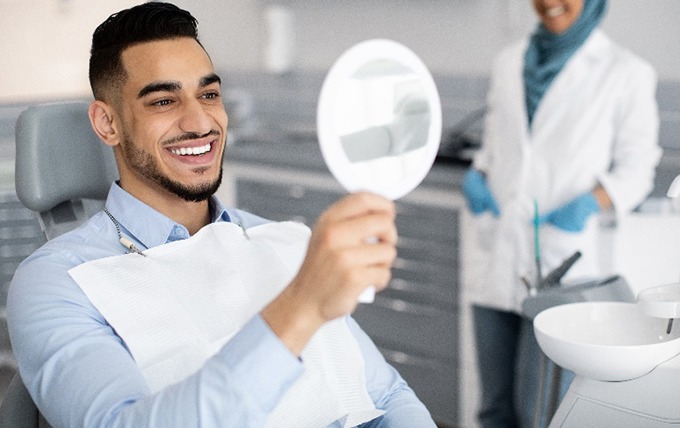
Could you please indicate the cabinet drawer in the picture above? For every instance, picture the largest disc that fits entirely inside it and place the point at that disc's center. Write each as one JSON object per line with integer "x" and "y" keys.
{"x": 426, "y": 222}
{"x": 415, "y": 247}
{"x": 411, "y": 327}
{"x": 439, "y": 280}
{"x": 428, "y": 239}
{"x": 283, "y": 201}
{"x": 443, "y": 296}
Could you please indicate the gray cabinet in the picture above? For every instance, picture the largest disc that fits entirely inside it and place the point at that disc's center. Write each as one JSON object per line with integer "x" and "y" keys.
{"x": 415, "y": 321}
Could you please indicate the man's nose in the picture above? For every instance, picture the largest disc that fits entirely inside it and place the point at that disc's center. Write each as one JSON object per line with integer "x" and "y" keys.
{"x": 195, "y": 118}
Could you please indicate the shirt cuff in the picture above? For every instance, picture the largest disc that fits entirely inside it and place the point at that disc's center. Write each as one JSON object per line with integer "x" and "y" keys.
{"x": 260, "y": 361}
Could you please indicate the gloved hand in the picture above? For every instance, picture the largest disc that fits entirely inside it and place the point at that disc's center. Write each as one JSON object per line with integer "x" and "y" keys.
{"x": 478, "y": 195}
{"x": 572, "y": 216}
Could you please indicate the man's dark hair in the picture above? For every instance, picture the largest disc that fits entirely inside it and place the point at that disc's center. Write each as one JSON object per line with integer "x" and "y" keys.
{"x": 143, "y": 23}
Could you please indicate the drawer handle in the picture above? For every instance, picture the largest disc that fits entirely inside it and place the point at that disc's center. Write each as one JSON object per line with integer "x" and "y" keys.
{"x": 410, "y": 360}
{"x": 399, "y": 305}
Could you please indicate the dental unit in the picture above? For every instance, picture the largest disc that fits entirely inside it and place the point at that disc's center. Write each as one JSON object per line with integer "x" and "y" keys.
{"x": 625, "y": 354}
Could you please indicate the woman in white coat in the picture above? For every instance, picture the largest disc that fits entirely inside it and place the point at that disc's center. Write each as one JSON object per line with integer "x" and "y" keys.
{"x": 571, "y": 131}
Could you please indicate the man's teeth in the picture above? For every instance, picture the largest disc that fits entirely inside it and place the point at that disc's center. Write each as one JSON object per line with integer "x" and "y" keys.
{"x": 555, "y": 11}
{"x": 183, "y": 151}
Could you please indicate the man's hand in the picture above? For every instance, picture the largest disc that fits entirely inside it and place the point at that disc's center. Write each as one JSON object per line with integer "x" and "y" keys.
{"x": 353, "y": 246}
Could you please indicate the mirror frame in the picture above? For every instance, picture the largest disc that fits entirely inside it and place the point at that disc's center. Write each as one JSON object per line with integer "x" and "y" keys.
{"x": 329, "y": 140}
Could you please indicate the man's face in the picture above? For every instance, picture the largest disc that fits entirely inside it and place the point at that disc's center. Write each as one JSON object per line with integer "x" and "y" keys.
{"x": 558, "y": 15}
{"x": 173, "y": 121}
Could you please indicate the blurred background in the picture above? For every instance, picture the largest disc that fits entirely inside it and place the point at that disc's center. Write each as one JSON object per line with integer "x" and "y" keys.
{"x": 272, "y": 57}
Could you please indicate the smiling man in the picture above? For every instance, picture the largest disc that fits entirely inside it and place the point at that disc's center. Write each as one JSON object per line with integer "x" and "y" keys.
{"x": 168, "y": 134}
{"x": 280, "y": 347}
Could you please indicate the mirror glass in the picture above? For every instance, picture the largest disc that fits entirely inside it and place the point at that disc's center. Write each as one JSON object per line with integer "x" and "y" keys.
{"x": 379, "y": 119}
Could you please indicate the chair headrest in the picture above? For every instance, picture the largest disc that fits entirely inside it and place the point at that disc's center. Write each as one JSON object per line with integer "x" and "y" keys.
{"x": 59, "y": 157}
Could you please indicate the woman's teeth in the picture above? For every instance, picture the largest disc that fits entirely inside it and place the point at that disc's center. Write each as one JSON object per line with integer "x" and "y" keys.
{"x": 183, "y": 151}
{"x": 555, "y": 11}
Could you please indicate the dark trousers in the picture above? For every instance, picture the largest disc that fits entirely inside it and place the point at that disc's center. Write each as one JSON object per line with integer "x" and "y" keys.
{"x": 509, "y": 365}
{"x": 508, "y": 359}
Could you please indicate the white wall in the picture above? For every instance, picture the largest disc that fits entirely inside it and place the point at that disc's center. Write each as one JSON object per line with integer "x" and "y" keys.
{"x": 462, "y": 36}
{"x": 45, "y": 43}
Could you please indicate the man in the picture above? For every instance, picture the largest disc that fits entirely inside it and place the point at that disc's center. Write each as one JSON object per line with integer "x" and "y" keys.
{"x": 157, "y": 103}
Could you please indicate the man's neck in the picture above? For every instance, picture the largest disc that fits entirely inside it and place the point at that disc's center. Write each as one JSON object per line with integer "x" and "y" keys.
{"x": 192, "y": 215}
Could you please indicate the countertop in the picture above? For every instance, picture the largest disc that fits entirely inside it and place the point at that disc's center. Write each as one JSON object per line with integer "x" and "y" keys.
{"x": 302, "y": 152}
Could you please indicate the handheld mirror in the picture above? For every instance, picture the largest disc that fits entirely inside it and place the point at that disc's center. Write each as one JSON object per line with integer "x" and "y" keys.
{"x": 379, "y": 120}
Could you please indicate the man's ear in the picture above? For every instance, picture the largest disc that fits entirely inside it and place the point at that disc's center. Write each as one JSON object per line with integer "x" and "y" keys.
{"x": 102, "y": 120}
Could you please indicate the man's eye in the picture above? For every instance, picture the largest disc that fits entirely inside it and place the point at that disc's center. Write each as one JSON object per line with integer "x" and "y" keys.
{"x": 211, "y": 95}
{"x": 161, "y": 103}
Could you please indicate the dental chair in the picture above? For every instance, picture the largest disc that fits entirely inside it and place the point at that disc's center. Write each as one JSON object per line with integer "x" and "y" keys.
{"x": 63, "y": 172}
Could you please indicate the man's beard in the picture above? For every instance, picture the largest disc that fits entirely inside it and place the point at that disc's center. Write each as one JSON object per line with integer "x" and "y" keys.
{"x": 144, "y": 164}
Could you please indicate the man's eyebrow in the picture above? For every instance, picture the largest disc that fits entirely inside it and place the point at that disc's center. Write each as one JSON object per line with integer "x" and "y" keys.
{"x": 159, "y": 87}
{"x": 176, "y": 86}
{"x": 209, "y": 80}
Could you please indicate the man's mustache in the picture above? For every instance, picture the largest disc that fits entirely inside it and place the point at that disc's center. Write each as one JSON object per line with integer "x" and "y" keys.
{"x": 190, "y": 136}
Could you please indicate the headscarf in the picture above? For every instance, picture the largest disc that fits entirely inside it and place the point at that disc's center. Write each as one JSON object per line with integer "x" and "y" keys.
{"x": 548, "y": 52}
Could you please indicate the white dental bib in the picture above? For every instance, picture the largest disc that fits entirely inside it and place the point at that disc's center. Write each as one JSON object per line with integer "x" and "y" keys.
{"x": 179, "y": 305}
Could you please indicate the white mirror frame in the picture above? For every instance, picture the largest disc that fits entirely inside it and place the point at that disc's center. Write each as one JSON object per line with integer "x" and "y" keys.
{"x": 331, "y": 147}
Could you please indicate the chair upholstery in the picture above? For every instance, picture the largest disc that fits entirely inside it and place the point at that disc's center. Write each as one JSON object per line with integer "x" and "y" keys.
{"x": 61, "y": 165}
{"x": 63, "y": 172}
{"x": 59, "y": 157}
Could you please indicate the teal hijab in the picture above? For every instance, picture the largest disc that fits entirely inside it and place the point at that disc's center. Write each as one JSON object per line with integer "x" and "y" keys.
{"x": 548, "y": 52}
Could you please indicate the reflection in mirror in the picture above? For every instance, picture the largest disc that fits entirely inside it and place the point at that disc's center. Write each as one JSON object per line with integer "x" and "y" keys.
{"x": 390, "y": 111}
{"x": 379, "y": 119}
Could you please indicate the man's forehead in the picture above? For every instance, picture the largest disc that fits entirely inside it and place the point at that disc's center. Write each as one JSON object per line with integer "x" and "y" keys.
{"x": 181, "y": 59}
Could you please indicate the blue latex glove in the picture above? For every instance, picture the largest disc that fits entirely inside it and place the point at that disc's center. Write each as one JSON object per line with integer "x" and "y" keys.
{"x": 478, "y": 195}
{"x": 572, "y": 216}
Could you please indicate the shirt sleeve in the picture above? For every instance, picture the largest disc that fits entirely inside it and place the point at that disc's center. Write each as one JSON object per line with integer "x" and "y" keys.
{"x": 388, "y": 390}
{"x": 80, "y": 373}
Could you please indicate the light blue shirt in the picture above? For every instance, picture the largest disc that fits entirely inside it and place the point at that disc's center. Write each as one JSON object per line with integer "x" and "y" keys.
{"x": 80, "y": 373}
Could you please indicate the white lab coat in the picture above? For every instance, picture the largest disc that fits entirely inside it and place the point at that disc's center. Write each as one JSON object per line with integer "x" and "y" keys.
{"x": 597, "y": 123}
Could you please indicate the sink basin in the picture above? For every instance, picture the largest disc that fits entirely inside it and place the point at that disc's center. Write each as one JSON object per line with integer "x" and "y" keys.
{"x": 662, "y": 301}
{"x": 610, "y": 341}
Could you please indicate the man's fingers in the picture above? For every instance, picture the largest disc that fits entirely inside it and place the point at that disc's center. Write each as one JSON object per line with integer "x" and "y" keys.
{"x": 368, "y": 229}
{"x": 357, "y": 205}
{"x": 379, "y": 255}
{"x": 367, "y": 266}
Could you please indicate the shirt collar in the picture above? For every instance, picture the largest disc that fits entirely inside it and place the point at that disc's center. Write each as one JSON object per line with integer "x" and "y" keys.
{"x": 219, "y": 212}
{"x": 148, "y": 226}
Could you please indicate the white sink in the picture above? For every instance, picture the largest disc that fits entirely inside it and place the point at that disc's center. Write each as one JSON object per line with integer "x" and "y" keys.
{"x": 610, "y": 341}
{"x": 662, "y": 301}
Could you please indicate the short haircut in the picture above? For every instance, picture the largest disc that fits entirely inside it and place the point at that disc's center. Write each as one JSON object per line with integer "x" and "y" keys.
{"x": 142, "y": 23}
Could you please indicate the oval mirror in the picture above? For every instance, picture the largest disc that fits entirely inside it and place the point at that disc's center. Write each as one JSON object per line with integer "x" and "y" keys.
{"x": 379, "y": 119}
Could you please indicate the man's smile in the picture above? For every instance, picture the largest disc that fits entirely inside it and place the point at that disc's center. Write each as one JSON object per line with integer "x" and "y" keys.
{"x": 193, "y": 151}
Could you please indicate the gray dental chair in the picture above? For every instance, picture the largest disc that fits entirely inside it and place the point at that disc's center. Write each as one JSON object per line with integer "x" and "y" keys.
{"x": 63, "y": 173}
